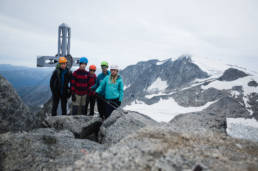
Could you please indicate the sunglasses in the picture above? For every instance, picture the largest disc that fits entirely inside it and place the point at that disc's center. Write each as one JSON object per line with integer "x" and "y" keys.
{"x": 92, "y": 70}
{"x": 103, "y": 66}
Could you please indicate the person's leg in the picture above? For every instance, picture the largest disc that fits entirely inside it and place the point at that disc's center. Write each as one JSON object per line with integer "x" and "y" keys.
{"x": 101, "y": 107}
{"x": 92, "y": 105}
{"x": 109, "y": 109}
{"x": 87, "y": 104}
{"x": 63, "y": 104}
{"x": 83, "y": 104}
{"x": 55, "y": 101}
{"x": 76, "y": 103}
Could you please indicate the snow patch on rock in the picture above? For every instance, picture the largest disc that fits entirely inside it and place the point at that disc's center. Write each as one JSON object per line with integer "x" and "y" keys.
{"x": 243, "y": 128}
{"x": 227, "y": 85}
{"x": 163, "y": 61}
{"x": 157, "y": 85}
{"x": 165, "y": 110}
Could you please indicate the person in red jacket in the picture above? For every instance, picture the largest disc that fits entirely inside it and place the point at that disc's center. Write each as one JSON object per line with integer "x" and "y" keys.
{"x": 80, "y": 88}
{"x": 91, "y": 96}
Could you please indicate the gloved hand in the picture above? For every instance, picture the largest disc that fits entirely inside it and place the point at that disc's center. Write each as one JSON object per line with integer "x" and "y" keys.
{"x": 68, "y": 93}
{"x": 118, "y": 103}
{"x": 73, "y": 97}
{"x": 97, "y": 95}
{"x": 94, "y": 93}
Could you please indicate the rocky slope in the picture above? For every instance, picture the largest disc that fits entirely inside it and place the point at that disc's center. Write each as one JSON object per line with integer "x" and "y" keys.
{"x": 14, "y": 114}
{"x": 31, "y": 84}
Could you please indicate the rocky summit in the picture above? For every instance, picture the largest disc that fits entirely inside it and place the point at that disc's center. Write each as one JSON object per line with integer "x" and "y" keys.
{"x": 162, "y": 148}
{"x": 130, "y": 140}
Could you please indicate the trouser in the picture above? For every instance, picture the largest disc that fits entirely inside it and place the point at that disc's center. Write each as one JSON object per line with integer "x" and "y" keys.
{"x": 90, "y": 100}
{"x": 110, "y": 106}
{"x": 101, "y": 107}
{"x": 79, "y": 105}
{"x": 55, "y": 102}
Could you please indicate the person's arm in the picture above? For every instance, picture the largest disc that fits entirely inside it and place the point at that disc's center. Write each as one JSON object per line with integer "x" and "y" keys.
{"x": 102, "y": 85}
{"x": 52, "y": 81}
{"x": 70, "y": 79}
{"x": 96, "y": 85}
{"x": 121, "y": 90}
{"x": 69, "y": 84}
{"x": 73, "y": 82}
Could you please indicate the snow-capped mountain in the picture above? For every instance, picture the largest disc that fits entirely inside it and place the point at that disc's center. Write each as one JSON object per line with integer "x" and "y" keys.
{"x": 157, "y": 77}
{"x": 165, "y": 89}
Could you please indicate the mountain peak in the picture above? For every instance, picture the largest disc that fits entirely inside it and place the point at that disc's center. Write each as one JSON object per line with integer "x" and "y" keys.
{"x": 186, "y": 58}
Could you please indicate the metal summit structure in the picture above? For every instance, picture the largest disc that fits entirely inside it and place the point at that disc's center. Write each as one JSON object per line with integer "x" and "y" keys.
{"x": 63, "y": 50}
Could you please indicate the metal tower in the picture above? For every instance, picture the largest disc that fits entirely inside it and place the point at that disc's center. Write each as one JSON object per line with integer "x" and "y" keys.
{"x": 63, "y": 50}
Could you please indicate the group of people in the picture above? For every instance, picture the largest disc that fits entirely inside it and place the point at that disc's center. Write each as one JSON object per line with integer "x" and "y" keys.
{"x": 84, "y": 87}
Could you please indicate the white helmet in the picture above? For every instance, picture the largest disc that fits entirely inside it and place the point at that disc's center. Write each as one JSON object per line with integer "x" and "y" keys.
{"x": 116, "y": 67}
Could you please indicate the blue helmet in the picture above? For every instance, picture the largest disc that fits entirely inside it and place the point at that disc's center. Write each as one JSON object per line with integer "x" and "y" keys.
{"x": 83, "y": 60}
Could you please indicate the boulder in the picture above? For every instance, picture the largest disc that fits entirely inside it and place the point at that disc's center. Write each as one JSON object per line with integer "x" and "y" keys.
{"x": 81, "y": 126}
{"x": 121, "y": 124}
{"x": 41, "y": 149}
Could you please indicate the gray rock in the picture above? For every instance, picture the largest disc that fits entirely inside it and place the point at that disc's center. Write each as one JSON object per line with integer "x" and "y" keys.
{"x": 195, "y": 96}
{"x": 252, "y": 83}
{"x": 228, "y": 107}
{"x": 81, "y": 126}
{"x": 14, "y": 114}
{"x": 199, "y": 122}
{"x": 253, "y": 102}
{"x": 211, "y": 119}
{"x": 232, "y": 74}
{"x": 120, "y": 125}
{"x": 42, "y": 148}
{"x": 161, "y": 148}
{"x": 46, "y": 109}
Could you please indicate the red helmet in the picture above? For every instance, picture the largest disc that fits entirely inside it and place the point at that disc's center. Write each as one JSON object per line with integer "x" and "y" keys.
{"x": 93, "y": 67}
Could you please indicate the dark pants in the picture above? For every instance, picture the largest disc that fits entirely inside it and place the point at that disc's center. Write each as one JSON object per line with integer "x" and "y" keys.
{"x": 55, "y": 102}
{"x": 101, "y": 107}
{"x": 90, "y": 100}
{"x": 110, "y": 106}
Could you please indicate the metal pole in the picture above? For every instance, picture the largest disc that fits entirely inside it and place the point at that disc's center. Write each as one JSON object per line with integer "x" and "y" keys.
{"x": 64, "y": 41}
{"x": 59, "y": 42}
{"x": 69, "y": 41}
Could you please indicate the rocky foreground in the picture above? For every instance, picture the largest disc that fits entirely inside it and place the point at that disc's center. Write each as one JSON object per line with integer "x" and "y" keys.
{"x": 125, "y": 141}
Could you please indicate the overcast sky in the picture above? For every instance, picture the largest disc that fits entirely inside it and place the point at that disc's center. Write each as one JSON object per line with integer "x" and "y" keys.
{"x": 127, "y": 31}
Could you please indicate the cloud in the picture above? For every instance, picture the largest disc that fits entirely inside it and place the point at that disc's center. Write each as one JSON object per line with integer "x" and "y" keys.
{"x": 125, "y": 32}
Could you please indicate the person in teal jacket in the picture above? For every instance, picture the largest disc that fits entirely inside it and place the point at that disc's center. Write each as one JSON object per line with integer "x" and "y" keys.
{"x": 100, "y": 78}
{"x": 113, "y": 89}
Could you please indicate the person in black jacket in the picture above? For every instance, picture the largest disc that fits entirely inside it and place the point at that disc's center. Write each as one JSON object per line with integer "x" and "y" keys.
{"x": 60, "y": 86}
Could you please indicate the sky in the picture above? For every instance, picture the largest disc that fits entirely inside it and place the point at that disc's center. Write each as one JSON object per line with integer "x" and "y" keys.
{"x": 125, "y": 32}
